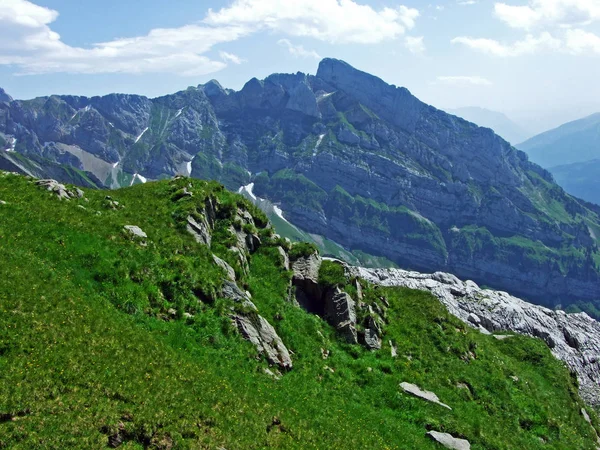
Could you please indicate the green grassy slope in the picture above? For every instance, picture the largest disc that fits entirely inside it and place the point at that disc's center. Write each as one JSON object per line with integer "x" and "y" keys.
{"x": 88, "y": 347}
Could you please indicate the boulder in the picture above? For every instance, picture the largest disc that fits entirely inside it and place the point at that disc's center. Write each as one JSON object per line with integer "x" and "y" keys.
{"x": 226, "y": 267}
{"x": 371, "y": 339}
{"x": 413, "y": 389}
{"x": 306, "y": 280}
{"x": 60, "y": 190}
{"x": 135, "y": 231}
{"x": 285, "y": 259}
{"x": 231, "y": 291}
{"x": 200, "y": 229}
{"x": 259, "y": 332}
{"x": 449, "y": 441}
{"x": 340, "y": 312}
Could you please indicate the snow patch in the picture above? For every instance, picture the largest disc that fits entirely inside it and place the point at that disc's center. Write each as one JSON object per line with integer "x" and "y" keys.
{"x": 139, "y": 177}
{"x": 248, "y": 189}
{"x": 12, "y": 144}
{"x": 178, "y": 113}
{"x": 189, "y": 167}
{"x": 279, "y": 212}
{"x": 329, "y": 94}
{"x": 141, "y": 134}
{"x": 318, "y": 144}
{"x": 111, "y": 124}
{"x": 115, "y": 165}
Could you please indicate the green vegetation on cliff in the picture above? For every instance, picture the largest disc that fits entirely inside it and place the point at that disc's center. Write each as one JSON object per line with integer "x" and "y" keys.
{"x": 110, "y": 339}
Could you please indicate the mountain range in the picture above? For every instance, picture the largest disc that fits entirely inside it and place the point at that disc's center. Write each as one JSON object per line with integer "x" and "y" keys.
{"x": 344, "y": 155}
{"x": 571, "y": 153}
{"x": 571, "y": 143}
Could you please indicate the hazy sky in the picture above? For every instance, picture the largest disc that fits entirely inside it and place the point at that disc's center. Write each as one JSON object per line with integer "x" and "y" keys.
{"x": 528, "y": 58}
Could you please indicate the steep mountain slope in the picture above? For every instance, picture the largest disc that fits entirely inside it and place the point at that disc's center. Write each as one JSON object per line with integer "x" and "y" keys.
{"x": 573, "y": 142}
{"x": 348, "y": 157}
{"x": 497, "y": 121}
{"x": 133, "y": 338}
{"x": 580, "y": 179}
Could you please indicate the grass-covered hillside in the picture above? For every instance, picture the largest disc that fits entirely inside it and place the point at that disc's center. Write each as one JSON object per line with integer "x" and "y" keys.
{"x": 111, "y": 340}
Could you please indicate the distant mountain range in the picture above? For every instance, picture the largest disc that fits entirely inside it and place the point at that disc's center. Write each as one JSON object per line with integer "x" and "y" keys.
{"x": 345, "y": 156}
{"x": 497, "y": 121}
{"x": 580, "y": 179}
{"x": 573, "y": 142}
{"x": 571, "y": 153}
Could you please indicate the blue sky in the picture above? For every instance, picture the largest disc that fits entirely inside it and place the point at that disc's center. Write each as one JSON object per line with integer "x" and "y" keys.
{"x": 528, "y": 58}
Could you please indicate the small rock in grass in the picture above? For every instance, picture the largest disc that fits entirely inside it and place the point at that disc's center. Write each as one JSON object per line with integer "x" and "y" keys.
{"x": 449, "y": 441}
{"x": 135, "y": 231}
{"x": 425, "y": 395}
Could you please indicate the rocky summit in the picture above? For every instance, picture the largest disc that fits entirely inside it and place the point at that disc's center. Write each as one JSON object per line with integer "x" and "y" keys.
{"x": 344, "y": 155}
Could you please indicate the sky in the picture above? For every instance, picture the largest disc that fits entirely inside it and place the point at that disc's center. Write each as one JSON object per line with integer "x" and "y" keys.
{"x": 538, "y": 61}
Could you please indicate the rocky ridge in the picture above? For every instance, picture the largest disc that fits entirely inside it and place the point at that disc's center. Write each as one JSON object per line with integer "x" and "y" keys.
{"x": 573, "y": 338}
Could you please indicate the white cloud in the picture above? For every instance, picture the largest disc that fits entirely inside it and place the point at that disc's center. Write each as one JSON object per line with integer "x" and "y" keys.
{"x": 414, "y": 44}
{"x": 543, "y": 13}
{"x": 230, "y": 57}
{"x": 580, "y": 41}
{"x": 28, "y": 42}
{"x": 527, "y": 46}
{"x": 298, "y": 50}
{"x": 464, "y": 80}
{"x": 334, "y": 21}
{"x": 467, "y": 2}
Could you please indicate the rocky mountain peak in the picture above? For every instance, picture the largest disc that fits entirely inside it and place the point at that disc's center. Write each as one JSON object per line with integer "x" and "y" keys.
{"x": 4, "y": 97}
{"x": 397, "y": 105}
{"x": 213, "y": 89}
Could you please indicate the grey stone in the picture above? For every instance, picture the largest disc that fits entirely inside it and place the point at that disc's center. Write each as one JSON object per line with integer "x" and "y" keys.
{"x": 231, "y": 291}
{"x": 259, "y": 332}
{"x": 340, "y": 312}
{"x": 229, "y": 271}
{"x": 54, "y": 186}
{"x": 425, "y": 395}
{"x": 372, "y": 340}
{"x": 285, "y": 259}
{"x": 306, "y": 279}
{"x": 449, "y": 441}
{"x": 135, "y": 231}
{"x": 200, "y": 229}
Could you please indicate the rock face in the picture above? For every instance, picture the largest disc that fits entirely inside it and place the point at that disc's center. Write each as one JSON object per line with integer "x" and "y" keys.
{"x": 257, "y": 330}
{"x": 573, "y": 338}
{"x": 347, "y": 156}
{"x": 306, "y": 281}
{"x": 341, "y": 313}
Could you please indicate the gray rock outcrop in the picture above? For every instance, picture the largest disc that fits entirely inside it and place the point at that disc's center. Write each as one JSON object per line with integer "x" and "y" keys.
{"x": 573, "y": 338}
{"x": 425, "y": 395}
{"x": 135, "y": 231}
{"x": 341, "y": 313}
{"x": 449, "y": 441}
{"x": 261, "y": 333}
{"x": 306, "y": 281}
{"x": 200, "y": 229}
{"x": 59, "y": 189}
{"x": 226, "y": 267}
